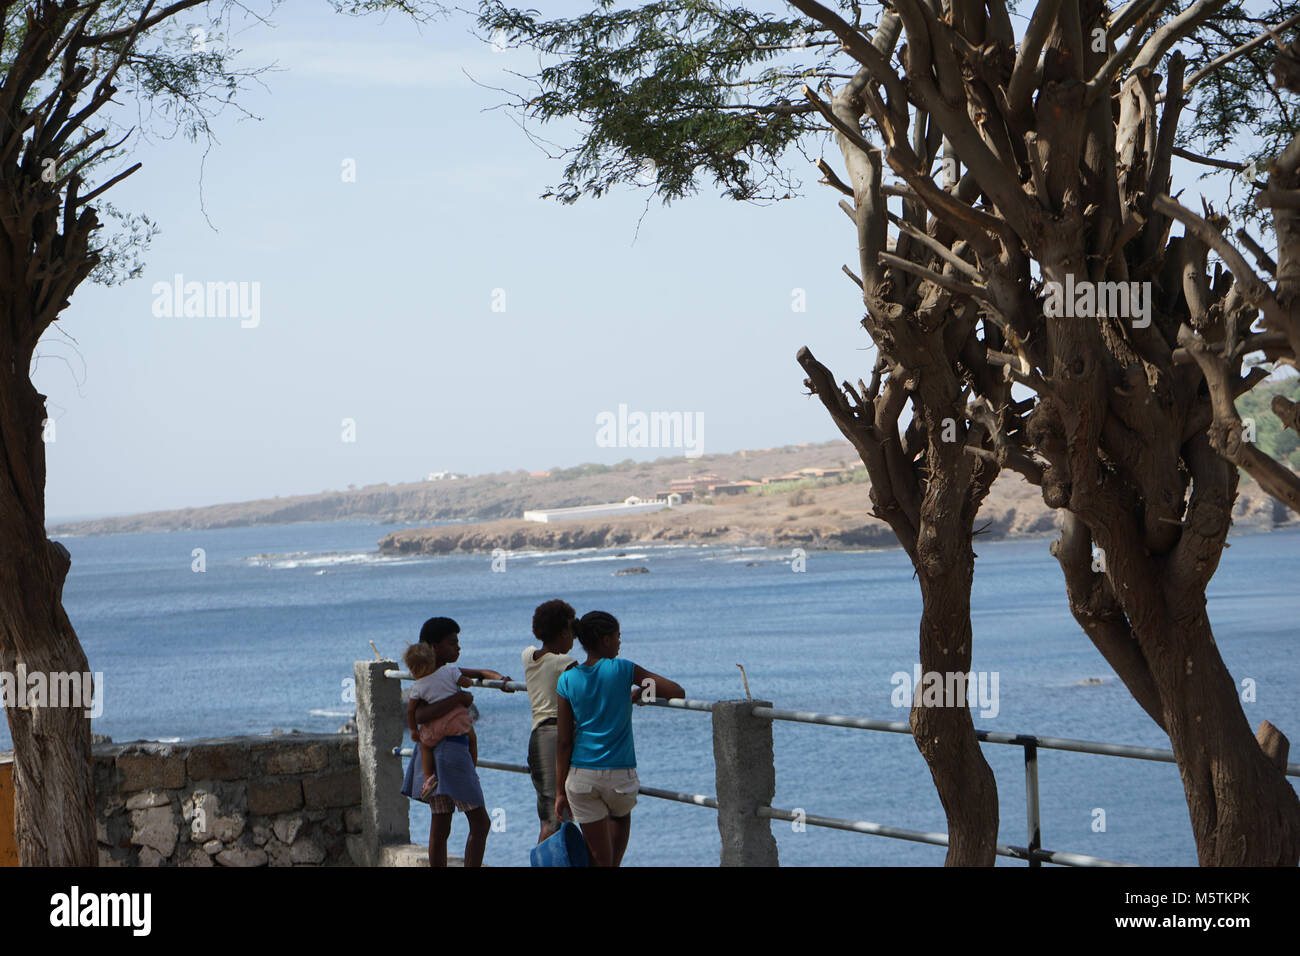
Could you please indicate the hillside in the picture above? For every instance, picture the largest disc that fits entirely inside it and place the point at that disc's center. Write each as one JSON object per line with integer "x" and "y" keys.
{"x": 817, "y": 514}
{"x": 476, "y": 498}
{"x": 483, "y": 513}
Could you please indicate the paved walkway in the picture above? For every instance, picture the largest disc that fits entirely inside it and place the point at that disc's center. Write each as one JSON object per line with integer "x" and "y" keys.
{"x": 411, "y": 854}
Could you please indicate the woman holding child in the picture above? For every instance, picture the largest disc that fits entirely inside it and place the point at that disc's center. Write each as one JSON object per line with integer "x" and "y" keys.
{"x": 581, "y": 742}
{"x": 439, "y": 720}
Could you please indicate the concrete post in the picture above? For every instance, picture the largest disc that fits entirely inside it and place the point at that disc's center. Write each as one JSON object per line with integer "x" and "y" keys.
{"x": 380, "y": 727}
{"x": 746, "y": 780}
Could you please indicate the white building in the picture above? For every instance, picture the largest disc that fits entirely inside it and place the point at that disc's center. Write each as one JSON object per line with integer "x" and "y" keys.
{"x": 615, "y": 509}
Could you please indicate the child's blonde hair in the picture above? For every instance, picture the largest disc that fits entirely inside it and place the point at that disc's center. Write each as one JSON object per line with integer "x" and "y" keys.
{"x": 421, "y": 660}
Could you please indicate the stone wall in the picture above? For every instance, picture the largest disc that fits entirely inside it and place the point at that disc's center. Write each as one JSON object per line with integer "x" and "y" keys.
{"x": 286, "y": 800}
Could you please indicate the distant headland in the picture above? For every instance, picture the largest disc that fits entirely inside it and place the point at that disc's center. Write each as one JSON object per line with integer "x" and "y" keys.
{"x": 811, "y": 495}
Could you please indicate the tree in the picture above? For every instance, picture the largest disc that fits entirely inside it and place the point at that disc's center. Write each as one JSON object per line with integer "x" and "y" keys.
{"x": 926, "y": 486}
{"x": 1056, "y": 161}
{"x": 1220, "y": 331}
{"x": 63, "y": 62}
{"x": 1121, "y": 433}
{"x": 655, "y": 87}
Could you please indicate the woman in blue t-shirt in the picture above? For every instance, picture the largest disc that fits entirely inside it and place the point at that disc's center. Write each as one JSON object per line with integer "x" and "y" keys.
{"x": 594, "y": 754}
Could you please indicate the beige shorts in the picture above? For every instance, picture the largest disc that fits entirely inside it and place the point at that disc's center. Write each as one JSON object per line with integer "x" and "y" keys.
{"x": 597, "y": 794}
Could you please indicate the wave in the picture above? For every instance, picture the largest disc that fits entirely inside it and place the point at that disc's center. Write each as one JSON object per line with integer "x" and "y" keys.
{"x": 320, "y": 562}
{"x": 621, "y": 556}
{"x": 549, "y": 552}
{"x": 322, "y": 712}
{"x": 739, "y": 553}
{"x": 311, "y": 559}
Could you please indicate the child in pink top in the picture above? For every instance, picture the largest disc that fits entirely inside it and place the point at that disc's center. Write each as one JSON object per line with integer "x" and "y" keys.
{"x": 432, "y": 684}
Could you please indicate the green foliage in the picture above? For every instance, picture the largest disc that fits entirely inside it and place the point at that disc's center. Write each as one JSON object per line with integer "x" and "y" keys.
{"x": 179, "y": 69}
{"x": 121, "y": 248}
{"x": 1271, "y": 438}
{"x": 1237, "y": 115}
{"x": 418, "y": 10}
{"x": 177, "y": 83}
{"x": 669, "y": 93}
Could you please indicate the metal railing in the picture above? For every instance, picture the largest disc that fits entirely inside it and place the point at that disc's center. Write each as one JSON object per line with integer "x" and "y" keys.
{"x": 1033, "y": 852}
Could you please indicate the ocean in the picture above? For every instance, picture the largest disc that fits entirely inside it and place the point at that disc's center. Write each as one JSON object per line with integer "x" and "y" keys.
{"x": 266, "y": 635}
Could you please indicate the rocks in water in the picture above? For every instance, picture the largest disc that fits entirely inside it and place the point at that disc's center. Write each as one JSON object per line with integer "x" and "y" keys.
{"x": 350, "y": 727}
{"x": 622, "y": 571}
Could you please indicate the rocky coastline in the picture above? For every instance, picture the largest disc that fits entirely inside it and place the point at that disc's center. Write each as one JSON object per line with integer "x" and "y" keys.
{"x": 829, "y": 518}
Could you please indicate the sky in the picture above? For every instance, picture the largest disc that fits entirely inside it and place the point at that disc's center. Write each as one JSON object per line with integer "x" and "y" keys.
{"x": 433, "y": 314}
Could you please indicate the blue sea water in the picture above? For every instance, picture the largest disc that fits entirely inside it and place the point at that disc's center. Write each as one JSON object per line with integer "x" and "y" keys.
{"x": 266, "y": 637}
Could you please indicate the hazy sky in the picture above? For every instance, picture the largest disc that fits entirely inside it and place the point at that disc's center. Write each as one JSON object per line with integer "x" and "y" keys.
{"x": 377, "y": 296}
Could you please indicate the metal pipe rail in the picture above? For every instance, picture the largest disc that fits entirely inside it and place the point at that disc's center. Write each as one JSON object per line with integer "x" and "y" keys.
{"x": 698, "y": 799}
{"x": 678, "y": 703}
{"x": 837, "y": 823}
{"x": 1034, "y": 854}
{"x": 1129, "y": 751}
{"x": 935, "y": 839}
{"x": 987, "y": 736}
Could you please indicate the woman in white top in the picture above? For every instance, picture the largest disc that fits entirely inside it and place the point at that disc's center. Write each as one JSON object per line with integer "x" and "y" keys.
{"x": 553, "y": 626}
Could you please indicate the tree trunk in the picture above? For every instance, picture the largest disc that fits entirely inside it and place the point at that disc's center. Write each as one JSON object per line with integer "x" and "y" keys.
{"x": 53, "y": 784}
{"x": 1146, "y": 612}
{"x": 1243, "y": 810}
{"x": 945, "y": 735}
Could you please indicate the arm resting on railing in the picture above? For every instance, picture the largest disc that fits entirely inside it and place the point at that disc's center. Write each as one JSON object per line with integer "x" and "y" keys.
{"x": 663, "y": 687}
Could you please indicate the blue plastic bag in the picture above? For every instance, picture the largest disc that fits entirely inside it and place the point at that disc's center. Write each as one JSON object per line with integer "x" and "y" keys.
{"x": 565, "y": 847}
{"x": 408, "y": 783}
